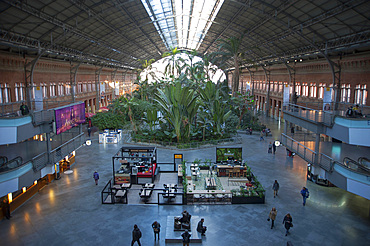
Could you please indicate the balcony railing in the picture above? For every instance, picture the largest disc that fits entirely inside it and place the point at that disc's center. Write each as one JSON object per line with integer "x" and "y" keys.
{"x": 319, "y": 116}
{"x": 58, "y": 153}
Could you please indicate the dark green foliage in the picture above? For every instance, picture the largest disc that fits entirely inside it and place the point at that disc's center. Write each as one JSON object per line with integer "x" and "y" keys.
{"x": 108, "y": 120}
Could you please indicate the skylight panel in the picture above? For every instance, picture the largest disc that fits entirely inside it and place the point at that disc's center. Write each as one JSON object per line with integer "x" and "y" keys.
{"x": 182, "y": 23}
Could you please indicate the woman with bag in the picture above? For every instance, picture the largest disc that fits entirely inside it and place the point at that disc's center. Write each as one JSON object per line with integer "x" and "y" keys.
{"x": 288, "y": 222}
{"x": 272, "y": 216}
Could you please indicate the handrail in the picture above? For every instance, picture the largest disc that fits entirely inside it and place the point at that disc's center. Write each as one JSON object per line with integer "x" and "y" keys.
{"x": 352, "y": 164}
{"x": 298, "y": 148}
{"x": 314, "y": 115}
{"x": 9, "y": 164}
{"x": 361, "y": 161}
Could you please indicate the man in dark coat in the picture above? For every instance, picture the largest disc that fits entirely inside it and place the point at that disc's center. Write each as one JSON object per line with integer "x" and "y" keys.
{"x": 201, "y": 228}
{"x": 186, "y": 238}
{"x": 156, "y": 228}
{"x": 136, "y": 235}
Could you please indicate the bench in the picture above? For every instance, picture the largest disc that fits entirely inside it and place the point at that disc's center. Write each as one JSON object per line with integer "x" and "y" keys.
{"x": 121, "y": 194}
{"x": 145, "y": 194}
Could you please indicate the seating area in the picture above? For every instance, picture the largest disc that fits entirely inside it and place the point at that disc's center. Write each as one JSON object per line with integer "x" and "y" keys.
{"x": 146, "y": 192}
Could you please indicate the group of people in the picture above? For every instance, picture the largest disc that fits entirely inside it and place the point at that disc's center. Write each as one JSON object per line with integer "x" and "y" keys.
{"x": 201, "y": 228}
{"x": 353, "y": 112}
{"x": 288, "y": 220}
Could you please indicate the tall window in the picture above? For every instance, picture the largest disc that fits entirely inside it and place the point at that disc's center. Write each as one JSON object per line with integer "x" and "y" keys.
{"x": 305, "y": 89}
{"x": 68, "y": 89}
{"x": 345, "y": 93}
{"x": 313, "y": 90}
{"x": 84, "y": 87}
{"x": 44, "y": 90}
{"x": 4, "y": 93}
{"x": 360, "y": 94}
{"x": 79, "y": 87}
{"x": 52, "y": 90}
{"x": 19, "y": 92}
{"x": 321, "y": 90}
{"x": 93, "y": 86}
{"x": 281, "y": 86}
{"x": 60, "y": 89}
{"x": 298, "y": 88}
{"x": 89, "y": 86}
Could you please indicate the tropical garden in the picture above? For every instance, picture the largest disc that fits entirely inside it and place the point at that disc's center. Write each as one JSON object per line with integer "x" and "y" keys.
{"x": 182, "y": 104}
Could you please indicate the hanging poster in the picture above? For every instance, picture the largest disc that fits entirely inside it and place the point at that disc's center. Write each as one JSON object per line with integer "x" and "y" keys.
{"x": 328, "y": 99}
{"x": 286, "y": 95}
{"x": 39, "y": 104}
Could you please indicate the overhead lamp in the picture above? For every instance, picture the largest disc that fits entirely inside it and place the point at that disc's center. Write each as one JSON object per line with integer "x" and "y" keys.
{"x": 287, "y": 61}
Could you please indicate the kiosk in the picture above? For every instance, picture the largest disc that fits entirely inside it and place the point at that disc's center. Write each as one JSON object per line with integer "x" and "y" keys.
{"x": 135, "y": 165}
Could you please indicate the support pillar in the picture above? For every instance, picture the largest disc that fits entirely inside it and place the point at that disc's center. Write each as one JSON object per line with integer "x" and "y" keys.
{"x": 73, "y": 78}
{"x": 267, "y": 75}
{"x": 97, "y": 87}
{"x": 317, "y": 147}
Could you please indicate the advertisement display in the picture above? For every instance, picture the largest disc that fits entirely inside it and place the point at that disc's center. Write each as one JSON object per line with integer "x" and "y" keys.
{"x": 68, "y": 117}
{"x": 328, "y": 99}
{"x": 39, "y": 104}
{"x": 224, "y": 154}
{"x": 286, "y": 95}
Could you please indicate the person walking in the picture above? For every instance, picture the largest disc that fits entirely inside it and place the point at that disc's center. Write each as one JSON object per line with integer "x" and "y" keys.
{"x": 156, "y": 229}
{"x": 89, "y": 131}
{"x": 273, "y": 147}
{"x": 288, "y": 222}
{"x": 186, "y": 238}
{"x": 201, "y": 228}
{"x": 136, "y": 235}
{"x": 305, "y": 194}
{"x": 275, "y": 187}
{"x": 96, "y": 177}
{"x": 272, "y": 216}
{"x": 261, "y": 136}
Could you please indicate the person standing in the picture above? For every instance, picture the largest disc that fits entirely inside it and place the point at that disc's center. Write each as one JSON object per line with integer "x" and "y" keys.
{"x": 186, "y": 238}
{"x": 270, "y": 148}
{"x": 156, "y": 228}
{"x": 261, "y": 136}
{"x": 272, "y": 216}
{"x": 273, "y": 147}
{"x": 275, "y": 187}
{"x": 305, "y": 194}
{"x": 89, "y": 131}
{"x": 6, "y": 209}
{"x": 24, "y": 109}
{"x": 201, "y": 228}
{"x": 288, "y": 222}
{"x": 96, "y": 177}
{"x": 136, "y": 235}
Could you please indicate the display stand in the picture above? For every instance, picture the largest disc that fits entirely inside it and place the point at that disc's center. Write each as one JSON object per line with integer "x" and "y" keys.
{"x": 110, "y": 136}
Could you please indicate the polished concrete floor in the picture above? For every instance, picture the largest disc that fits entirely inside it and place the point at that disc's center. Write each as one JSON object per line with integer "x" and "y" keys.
{"x": 69, "y": 211}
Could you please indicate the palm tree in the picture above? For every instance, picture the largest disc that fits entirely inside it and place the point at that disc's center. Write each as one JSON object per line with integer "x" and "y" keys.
{"x": 172, "y": 62}
{"x": 230, "y": 49}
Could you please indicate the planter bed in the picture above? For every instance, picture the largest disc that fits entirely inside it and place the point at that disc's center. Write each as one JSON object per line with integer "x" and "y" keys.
{"x": 247, "y": 200}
